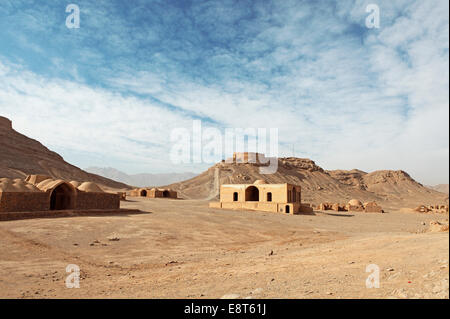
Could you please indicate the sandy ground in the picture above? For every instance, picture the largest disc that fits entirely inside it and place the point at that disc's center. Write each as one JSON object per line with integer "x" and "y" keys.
{"x": 183, "y": 249}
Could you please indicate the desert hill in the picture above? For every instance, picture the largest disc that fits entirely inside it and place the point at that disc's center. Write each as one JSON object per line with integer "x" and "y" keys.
{"x": 443, "y": 188}
{"x": 21, "y": 156}
{"x": 391, "y": 188}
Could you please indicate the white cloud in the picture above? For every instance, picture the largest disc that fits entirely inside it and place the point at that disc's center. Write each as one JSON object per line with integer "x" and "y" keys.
{"x": 345, "y": 96}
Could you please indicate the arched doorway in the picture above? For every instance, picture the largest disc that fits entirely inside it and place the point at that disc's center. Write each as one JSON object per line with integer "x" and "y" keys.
{"x": 143, "y": 193}
{"x": 166, "y": 193}
{"x": 269, "y": 196}
{"x": 62, "y": 197}
{"x": 288, "y": 210}
{"x": 235, "y": 197}
{"x": 252, "y": 194}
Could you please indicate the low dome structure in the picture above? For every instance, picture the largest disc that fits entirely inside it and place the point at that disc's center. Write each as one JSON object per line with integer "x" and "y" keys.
{"x": 50, "y": 184}
{"x": 75, "y": 184}
{"x": 8, "y": 185}
{"x": 355, "y": 202}
{"x": 36, "y": 179}
{"x": 43, "y": 185}
{"x": 90, "y": 187}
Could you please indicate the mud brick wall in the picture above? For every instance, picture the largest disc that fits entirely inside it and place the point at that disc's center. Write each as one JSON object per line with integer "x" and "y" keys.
{"x": 353, "y": 208}
{"x": 172, "y": 194}
{"x": 26, "y": 201}
{"x": 160, "y": 194}
{"x": 373, "y": 209}
{"x": 97, "y": 201}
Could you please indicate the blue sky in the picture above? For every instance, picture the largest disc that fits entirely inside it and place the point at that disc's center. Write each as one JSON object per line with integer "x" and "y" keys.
{"x": 110, "y": 92}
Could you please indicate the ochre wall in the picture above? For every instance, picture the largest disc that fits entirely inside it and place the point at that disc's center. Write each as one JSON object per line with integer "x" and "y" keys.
{"x": 86, "y": 200}
{"x": 40, "y": 201}
{"x": 152, "y": 193}
{"x": 294, "y": 208}
{"x": 226, "y": 193}
{"x": 373, "y": 208}
{"x": 160, "y": 194}
{"x": 279, "y": 192}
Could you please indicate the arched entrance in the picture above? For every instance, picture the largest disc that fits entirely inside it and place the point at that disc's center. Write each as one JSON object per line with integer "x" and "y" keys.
{"x": 235, "y": 197}
{"x": 166, "y": 193}
{"x": 269, "y": 196}
{"x": 143, "y": 193}
{"x": 252, "y": 194}
{"x": 288, "y": 210}
{"x": 62, "y": 197}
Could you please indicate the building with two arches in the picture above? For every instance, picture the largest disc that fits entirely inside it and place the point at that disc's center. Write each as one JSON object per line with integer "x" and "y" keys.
{"x": 282, "y": 198}
{"x": 154, "y": 193}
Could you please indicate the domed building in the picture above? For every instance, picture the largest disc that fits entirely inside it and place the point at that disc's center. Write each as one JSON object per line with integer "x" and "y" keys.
{"x": 372, "y": 207}
{"x": 355, "y": 205}
{"x": 41, "y": 193}
{"x": 154, "y": 193}
{"x": 19, "y": 195}
{"x": 355, "y": 202}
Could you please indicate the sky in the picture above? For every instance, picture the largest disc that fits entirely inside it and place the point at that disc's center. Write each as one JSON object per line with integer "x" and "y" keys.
{"x": 111, "y": 92}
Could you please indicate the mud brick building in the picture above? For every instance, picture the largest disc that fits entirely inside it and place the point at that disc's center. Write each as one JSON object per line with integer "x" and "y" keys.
{"x": 41, "y": 193}
{"x": 282, "y": 198}
{"x": 154, "y": 193}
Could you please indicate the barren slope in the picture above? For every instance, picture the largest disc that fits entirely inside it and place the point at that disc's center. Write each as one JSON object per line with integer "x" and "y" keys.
{"x": 443, "y": 188}
{"x": 21, "y": 156}
{"x": 394, "y": 188}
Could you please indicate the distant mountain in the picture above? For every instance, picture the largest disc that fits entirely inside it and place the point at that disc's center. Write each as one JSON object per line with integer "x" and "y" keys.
{"x": 443, "y": 188}
{"x": 21, "y": 156}
{"x": 140, "y": 180}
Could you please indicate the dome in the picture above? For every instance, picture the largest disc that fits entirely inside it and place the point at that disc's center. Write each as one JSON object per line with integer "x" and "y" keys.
{"x": 36, "y": 179}
{"x": 46, "y": 184}
{"x": 50, "y": 184}
{"x": 90, "y": 187}
{"x": 260, "y": 181}
{"x": 355, "y": 202}
{"x": 16, "y": 185}
{"x": 75, "y": 183}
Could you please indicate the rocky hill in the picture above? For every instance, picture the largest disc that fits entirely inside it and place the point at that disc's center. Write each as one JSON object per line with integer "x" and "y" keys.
{"x": 21, "y": 156}
{"x": 391, "y": 188}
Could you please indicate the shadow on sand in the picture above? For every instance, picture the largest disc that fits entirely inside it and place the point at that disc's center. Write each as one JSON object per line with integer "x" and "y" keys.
{"x": 337, "y": 215}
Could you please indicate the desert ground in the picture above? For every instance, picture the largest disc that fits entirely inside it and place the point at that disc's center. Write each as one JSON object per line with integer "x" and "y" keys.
{"x": 184, "y": 249}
